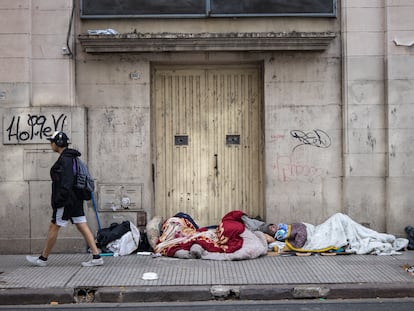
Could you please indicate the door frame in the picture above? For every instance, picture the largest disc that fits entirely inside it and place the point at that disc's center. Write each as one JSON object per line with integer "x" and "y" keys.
{"x": 172, "y": 65}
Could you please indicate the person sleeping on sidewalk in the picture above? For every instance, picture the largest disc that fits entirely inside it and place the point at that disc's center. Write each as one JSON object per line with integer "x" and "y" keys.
{"x": 337, "y": 233}
{"x": 181, "y": 237}
{"x": 294, "y": 233}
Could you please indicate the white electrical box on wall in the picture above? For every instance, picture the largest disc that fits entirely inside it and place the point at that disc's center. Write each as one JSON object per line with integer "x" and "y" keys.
{"x": 120, "y": 197}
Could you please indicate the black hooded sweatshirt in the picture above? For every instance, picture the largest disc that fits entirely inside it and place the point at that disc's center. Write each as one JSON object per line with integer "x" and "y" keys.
{"x": 63, "y": 180}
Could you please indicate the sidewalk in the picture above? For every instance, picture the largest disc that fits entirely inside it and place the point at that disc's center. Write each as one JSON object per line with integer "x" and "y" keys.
{"x": 64, "y": 280}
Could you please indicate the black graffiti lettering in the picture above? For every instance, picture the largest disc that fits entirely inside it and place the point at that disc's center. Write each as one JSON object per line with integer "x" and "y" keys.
{"x": 10, "y": 129}
{"x": 37, "y": 127}
{"x": 23, "y": 136}
{"x": 34, "y": 123}
{"x": 316, "y": 138}
{"x": 56, "y": 122}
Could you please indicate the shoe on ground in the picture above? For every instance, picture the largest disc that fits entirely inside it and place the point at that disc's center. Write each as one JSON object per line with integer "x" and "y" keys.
{"x": 93, "y": 262}
{"x": 36, "y": 261}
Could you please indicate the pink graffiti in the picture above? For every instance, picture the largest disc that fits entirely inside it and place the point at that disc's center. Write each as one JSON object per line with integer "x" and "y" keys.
{"x": 289, "y": 169}
{"x": 276, "y": 137}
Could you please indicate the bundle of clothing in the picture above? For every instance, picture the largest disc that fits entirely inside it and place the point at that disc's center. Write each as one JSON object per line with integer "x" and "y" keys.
{"x": 230, "y": 240}
{"x": 120, "y": 239}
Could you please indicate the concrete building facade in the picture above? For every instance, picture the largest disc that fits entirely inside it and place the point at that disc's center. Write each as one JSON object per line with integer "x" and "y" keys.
{"x": 291, "y": 118}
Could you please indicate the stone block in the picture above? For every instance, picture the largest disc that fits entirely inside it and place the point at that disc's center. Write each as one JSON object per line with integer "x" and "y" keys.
{"x": 365, "y": 164}
{"x": 10, "y": 245}
{"x": 316, "y": 93}
{"x": 114, "y": 72}
{"x": 365, "y": 68}
{"x": 15, "y": 21}
{"x": 365, "y": 18}
{"x": 48, "y": 46}
{"x": 400, "y": 205}
{"x": 400, "y": 92}
{"x": 12, "y": 158}
{"x": 400, "y": 140}
{"x": 401, "y": 164}
{"x": 37, "y": 164}
{"x": 368, "y": 92}
{"x": 365, "y": 116}
{"x": 14, "y": 94}
{"x": 323, "y": 117}
{"x": 114, "y": 96}
{"x": 42, "y": 19}
{"x": 301, "y": 67}
{"x": 400, "y": 116}
{"x": 400, "y": 17}
{"x": 400, "y": 67}
{"x": 15, "y": 210}
{"x": 118, "y": 143}
{"x": 56, "y": 71}
{"x": 364, "y": 201}
{"x": 14, "y": 70}
{"x": 48, "y": 5}
{"x": 14, "y": 45}
{"x": 78, "y": 133}
{"x": 359, "y": 43}
{"x": 306, "y": 291}
{"x": 52, "y": 94}
{"x": 14, "y": 4}
{"x": 366, "y": 140}
{"x": 300, "y": 201}
{"x": 362, "y": 3}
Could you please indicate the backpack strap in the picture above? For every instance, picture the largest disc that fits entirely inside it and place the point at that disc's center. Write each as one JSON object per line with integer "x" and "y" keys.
{"x": 74, "y": 166}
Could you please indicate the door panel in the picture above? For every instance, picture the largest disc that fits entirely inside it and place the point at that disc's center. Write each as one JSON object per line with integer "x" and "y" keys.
{"x": 208, "y": 142}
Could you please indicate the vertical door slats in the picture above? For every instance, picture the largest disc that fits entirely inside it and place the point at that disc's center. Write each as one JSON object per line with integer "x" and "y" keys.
{"x": 206, "y": 105}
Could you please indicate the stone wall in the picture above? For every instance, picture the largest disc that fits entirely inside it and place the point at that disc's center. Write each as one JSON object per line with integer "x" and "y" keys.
{"x": 337, "y": 122}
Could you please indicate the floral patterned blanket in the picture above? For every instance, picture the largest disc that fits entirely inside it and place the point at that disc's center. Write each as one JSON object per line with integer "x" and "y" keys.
{"x": 182, "y": 238}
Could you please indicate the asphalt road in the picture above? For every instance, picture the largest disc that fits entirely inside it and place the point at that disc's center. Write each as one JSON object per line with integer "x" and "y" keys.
{"x": 401, "y": 304}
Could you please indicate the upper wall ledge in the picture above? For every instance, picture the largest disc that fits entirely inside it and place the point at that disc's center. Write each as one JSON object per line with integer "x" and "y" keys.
{"x": 168, "y": 42}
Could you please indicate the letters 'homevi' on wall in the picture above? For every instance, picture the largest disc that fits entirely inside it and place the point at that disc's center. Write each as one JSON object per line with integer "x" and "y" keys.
{"x": 33, "y": 126}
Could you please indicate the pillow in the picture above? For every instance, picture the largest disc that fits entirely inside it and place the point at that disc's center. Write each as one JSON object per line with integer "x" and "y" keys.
{"x": 153, "y": 230}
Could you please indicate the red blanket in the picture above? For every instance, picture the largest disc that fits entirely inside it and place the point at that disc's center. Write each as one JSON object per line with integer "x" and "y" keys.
{"x": 180, "y": 234}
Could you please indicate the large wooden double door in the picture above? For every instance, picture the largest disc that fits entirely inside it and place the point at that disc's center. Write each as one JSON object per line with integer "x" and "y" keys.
{"x": 208, "y": 141}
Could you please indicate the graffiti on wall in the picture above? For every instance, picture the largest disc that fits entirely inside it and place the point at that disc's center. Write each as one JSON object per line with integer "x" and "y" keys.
{"x": 316, "y": 138}
{"x": 30, "y": 128}
{"x": 290, "y": 168}
{"x": 293, "y": 166}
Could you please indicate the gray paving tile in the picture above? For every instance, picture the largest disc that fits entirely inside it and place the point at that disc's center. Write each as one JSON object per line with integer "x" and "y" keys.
{"x": 65, "y": 271}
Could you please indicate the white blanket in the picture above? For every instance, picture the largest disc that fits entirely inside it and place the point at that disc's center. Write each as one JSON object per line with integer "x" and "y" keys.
{"x": 341, "y": 231}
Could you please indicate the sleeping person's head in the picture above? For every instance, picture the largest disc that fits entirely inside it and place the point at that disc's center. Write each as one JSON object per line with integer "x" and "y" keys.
{"x": 270, "y": 229}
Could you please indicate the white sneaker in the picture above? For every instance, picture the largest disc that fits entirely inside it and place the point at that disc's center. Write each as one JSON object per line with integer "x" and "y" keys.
{"x": 93, "y": 262}
{"x": 36, "y": 261}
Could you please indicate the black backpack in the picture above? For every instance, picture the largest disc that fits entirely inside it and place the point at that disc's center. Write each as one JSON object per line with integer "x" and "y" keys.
{"x": 410, "y": 232}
